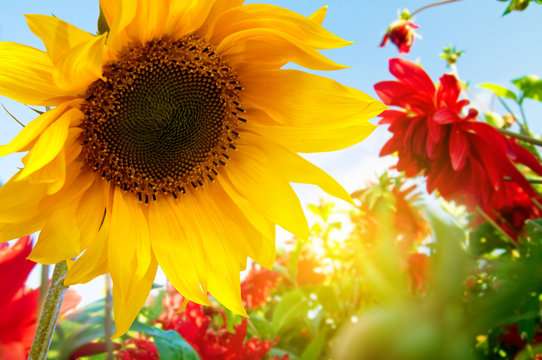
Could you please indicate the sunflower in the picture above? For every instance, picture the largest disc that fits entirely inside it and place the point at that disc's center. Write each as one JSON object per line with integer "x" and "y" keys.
{"x": 172, "y": 141}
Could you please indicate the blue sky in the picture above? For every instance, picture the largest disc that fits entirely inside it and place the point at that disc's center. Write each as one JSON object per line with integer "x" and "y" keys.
{"x": 498, "y": 49}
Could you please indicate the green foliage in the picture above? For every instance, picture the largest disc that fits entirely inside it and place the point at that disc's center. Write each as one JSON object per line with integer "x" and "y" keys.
{"x": 170, "y": 345}
{"x": 518, "y": 5}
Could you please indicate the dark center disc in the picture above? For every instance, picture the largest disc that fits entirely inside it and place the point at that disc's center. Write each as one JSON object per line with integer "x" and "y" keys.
{"x": 162, "y": 119}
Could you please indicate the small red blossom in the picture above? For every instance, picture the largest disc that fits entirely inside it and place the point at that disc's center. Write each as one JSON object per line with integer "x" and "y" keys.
{"x": 467, "y": 161}
{"x": 257, "y": 286}
{"x": 18, "y": 305}
{"x": 402, "y": 33}
{"x": 197, "y": 326}
{"x": 308, "y": 267}
{"x": 418, "y": 272}
{"x": 138, "y": 349}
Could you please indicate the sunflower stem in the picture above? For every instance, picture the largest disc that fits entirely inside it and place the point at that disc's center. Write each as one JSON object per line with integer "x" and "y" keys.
{"x": 49, "y": 314}
{"x": 525, "y": 138}
{"x": 434, "y": 4}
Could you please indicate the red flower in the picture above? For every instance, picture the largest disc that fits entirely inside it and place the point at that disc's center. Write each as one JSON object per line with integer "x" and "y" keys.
{"x": 18, "y": 305}
{"x": 257, "y": 286}
{"x": 402, "y": 33}
{"x": 138, "y": 349}
{"x": 467, "y": 161}
{"x": 307, "y": 267}
{"x": 195, "y": 324}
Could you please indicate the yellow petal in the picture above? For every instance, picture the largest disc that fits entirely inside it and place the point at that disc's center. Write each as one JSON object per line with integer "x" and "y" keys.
{"x": 19, "y": 200}
{"x": 33, "y": 130}
{"x": 49, "y": 144}
{"x": 271, "y": 48}
{"x": 119, "y": 14}
{"x": 294, "y": 167}
{"x": 176, "y": 240}
{"x": 93, "y": 262}
{"x": 223, "y": 279}
{"x": 59, "y": 238}
{"x": 296, "y": 98}
{"x": 218, "y": 8}
{"x": 253, "y": 235}
{"x": 26, "y": 76}
{"x": 315, "y": 138}
{"x": 81, "y": 66}
{"x": 15, "y": 230}
{"x": 246, "y": 176}
{"x": 58, "y": 36}
{"x": 91, "y": 211}
{"x": 186, "y": 17}
{"x": 128, "y": 299}
{"x": 319, "y": 15}
{"x": 268, "y": 17}
{"x": 130, "y": 261}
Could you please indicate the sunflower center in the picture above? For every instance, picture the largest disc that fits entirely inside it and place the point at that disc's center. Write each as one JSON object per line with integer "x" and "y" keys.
{"x": 163, "y": 118}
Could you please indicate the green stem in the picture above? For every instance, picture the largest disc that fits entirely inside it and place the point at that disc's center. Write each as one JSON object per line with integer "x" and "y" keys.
{"x": 431, "y": 5}
{"x": 505, "y": 105}
{"x": 527, "y": 139}
{"x": 49, "y": 314}
{"x": 497, "y": 227}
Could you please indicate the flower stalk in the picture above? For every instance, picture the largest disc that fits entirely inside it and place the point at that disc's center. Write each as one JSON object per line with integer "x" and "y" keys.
{"x": 521, "y": 137}
{"x": 49, "y": 313}
{"x": 432, "y": 5}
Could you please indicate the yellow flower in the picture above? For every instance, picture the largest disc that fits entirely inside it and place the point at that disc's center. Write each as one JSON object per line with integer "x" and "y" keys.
{"x": 172, "y": 141}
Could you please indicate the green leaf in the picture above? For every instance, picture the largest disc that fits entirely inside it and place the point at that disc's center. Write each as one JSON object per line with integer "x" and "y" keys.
{"x": 499, "y": 91}
{"x": 316, "y": 346}
{"x": 530, "y": 85}
{"x": 485, "y": 238}
{"x": 170, "y": 345}
{"x": 157, "y": 306}
{"x": 292, "y": 306}
{"x": 262, "y": 326}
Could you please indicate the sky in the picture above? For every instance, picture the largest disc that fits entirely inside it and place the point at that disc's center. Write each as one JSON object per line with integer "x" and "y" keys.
{"x": 497, "y": 49}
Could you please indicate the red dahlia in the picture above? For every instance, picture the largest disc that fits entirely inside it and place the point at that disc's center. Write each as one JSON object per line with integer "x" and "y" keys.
{"x": 465, "y": 160}
{"x": 402, "y": 33}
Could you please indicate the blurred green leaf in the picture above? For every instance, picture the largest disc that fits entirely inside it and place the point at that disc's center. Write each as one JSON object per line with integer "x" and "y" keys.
{"x": 530, "y": 85}
{"x": 170, "y": 345}
{"x": 499, "y": 90}
{"x": 316, "y": 346}
{"x": 291, "y": 307}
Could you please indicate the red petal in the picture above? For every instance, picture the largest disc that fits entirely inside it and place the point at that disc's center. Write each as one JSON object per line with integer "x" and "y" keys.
{"x": 412, "y": 74}
{"x": 459, "y": 149}
{"x": 523, "y": 156}
{"x": 448, "y": 92}
{"x": 91, "y": 349}
{"x": 445, "y": 116}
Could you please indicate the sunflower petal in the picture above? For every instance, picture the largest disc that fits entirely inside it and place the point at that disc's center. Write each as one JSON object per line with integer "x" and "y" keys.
{"x": 309, "y": 139}
{"x": 245, "y": 179}
{"x": 272, "y": 48}
{"x": 81, "y": 66}
{"x": 319, "y": 15}
{"x": 59, "y": 238}
{"x": 294, "y": 166}
{"x": 126, "y": 305}
{"x": 296, "y": 98}
{"x": 58, "y": 36}
{"x": 269, "y": 17}
{"x": 176, "y": 242}
{"x": 119, "y": 14}
{"x": 93, "y": 262}
{"x": 26, "y": 75}
{"x": 32, "y": 131}
{"x": 49, "y": 144}
{"x": 185, "y": 17}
